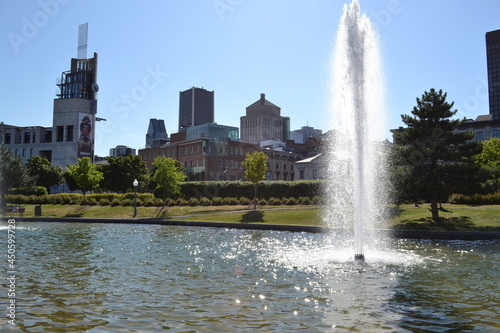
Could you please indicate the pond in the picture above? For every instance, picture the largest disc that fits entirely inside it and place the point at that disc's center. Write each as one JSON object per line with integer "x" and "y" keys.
{"x": 93, "y": 277}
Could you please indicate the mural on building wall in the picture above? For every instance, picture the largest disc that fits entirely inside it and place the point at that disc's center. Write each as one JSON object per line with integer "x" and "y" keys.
{"x": 85, "y": 137}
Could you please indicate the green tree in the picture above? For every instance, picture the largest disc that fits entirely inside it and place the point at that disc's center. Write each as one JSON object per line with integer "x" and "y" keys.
{"x": 167, "y": 175}
{"x": 489, "y": 159}
{"x": 85, "y": 174}
{"x": 120, "y": 173}
{"x": 438, "y": 160}
{"x": 43, "y": 172}
{"x": 13, "y": 173}
{"x": 255, "y": 165}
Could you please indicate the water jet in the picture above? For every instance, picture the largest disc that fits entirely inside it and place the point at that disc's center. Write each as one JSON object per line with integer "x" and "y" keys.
{"x": 355, "y": 163}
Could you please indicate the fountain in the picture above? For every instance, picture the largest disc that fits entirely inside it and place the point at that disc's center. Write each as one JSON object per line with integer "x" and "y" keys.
{"x": 357, "y": 112}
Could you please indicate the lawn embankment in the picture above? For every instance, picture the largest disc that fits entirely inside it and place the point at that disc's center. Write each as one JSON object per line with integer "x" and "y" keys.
{"x": 455, "y": 217}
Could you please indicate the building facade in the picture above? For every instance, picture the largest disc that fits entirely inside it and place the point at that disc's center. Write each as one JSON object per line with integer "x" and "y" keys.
{"x": 73, "y": 120}
{"x": 196, "y": 107}
{"x": 157, "y": 133}
{"x": 304, "y": 133}
{"x": 121, "y": 151}
{"x": 263, "y": 121}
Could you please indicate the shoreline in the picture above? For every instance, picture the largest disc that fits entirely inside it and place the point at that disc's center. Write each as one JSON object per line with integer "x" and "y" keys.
{"x": 395, "y": 233}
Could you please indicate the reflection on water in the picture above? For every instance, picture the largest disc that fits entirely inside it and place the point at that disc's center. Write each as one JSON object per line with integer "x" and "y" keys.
{"x": 146, "y": 278}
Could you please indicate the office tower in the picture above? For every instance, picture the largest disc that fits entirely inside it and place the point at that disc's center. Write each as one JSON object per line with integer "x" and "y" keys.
{"x": 263, "y": 121}
{"x": 196, "y": 107}
{"x": 493, "y": 63}
{"x": 157, "y": 133}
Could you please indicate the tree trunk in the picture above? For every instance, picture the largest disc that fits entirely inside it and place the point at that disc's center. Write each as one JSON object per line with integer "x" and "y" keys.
{"x": 255, "y": 197}
{"x": 435, "y": 210}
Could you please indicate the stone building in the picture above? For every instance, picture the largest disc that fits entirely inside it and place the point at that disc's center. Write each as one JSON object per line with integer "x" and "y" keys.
{"x": 263, "y": 121}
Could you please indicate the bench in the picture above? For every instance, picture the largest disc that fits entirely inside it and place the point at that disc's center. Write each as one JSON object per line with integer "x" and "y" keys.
{"x": 9, "y": 210}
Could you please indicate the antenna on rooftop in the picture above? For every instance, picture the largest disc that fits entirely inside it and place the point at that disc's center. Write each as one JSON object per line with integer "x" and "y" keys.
{"x": 83, "y": 30}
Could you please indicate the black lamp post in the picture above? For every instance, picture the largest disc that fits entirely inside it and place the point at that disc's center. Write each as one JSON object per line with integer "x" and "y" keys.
{"x": 135, "y": 183}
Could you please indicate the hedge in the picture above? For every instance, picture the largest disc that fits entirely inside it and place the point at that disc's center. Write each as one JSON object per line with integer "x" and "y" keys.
{"x": 476, "y": 199}
{"x": 148, "y": 200}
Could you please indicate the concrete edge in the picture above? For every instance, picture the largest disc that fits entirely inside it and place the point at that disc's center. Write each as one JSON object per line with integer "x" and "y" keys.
{"x": 395, "y": 233}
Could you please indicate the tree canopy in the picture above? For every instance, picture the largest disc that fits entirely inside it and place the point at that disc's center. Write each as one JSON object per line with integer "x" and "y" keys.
{"x": 13, "y": 173}
{"x": 43, "y": 172}
{"x": 489, "y": 159}
{"x": 255, "y": 165}
{"x": 85, "y": 175}
{"x": 167, "y": 175}
{"x": 121, "y": 172}
{"x": 435, "y": 158}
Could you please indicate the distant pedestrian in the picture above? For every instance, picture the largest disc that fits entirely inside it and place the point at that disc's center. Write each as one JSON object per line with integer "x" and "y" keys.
{"x": 15, "y": 209}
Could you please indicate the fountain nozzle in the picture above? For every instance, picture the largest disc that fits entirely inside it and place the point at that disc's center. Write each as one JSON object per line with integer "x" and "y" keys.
{"x": 359, "y": 257}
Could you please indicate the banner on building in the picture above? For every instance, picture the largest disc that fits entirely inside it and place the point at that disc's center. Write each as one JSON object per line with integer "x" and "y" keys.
{"x": 85, "y": 138}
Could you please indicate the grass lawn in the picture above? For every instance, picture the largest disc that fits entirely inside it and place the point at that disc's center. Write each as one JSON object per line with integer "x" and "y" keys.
{"x": 455, "y": 217}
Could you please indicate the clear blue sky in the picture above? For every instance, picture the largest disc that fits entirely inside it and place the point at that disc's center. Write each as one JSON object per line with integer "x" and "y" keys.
{"x": 239, "y": 49}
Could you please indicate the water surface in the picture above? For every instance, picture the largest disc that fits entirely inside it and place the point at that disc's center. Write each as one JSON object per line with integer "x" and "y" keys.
{"x": 77, "y": 277}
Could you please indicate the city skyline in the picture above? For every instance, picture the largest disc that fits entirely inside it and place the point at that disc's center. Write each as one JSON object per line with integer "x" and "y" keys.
{"x": 238, "y": 49}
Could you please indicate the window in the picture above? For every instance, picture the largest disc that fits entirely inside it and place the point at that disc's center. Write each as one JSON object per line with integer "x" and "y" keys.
{"x": 480, "y": 136}
{"x": 48, "y": 136}
{"x": 27, "y": 137}
{"x": 32, "y": 151}
{"x": 301, "y": 174}
{"x": 7, "y": 138}
{"x": 197, "y": 148}
{"x": 69, "y": 133}
{"x": 496, "y": 134}
{"x": 60, "y": 133}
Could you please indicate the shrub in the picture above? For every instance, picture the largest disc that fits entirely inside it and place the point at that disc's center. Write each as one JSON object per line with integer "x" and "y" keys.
{"x": 261, "y": 202}
{"x": 193, "y": 202}
{"x": 148, "y": 202}
{"x": 181, "y": 202}
{"x": 476, "y": 199}
{"x": 229, "y": 201}
{"x": 128, "y": 202}
{"x": 216, "y": 201}
{"x": 104, "y": 202}
{"x": 205, "y": 201}
{"x": 316, "y": 200}
{"x": 304, "y": 201}
{"x": 115, "y": 202}
{"x": 291, "y": 201}
{"x": 91, "y": 201}
{"x": 244, "y": 201}
{"x": 274, "y": 201}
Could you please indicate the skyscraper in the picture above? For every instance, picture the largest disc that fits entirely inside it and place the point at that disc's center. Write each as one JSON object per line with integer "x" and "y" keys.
{"x": 263, "y": 121}
{"x": 196, "y": 107}
{"x": 493, "y": 62}
{"x": 157, "y": 133}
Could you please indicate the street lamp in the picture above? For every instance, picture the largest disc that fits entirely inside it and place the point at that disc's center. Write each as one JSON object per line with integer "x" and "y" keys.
{"x": 135, "y": 183}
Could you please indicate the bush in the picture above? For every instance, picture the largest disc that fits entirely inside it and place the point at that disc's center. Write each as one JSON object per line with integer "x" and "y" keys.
{"x": 148, "y": 202}
{"x": 261, "y": 202}
{"x": 91, "y": 201}
{"x": 229, "y": 201}
{"x": 476, "y": 199}
{"x": 304, "y": 201}
{"x": 193, "y": 202}
{"x": 128, "y": 202}
{"x": 205, "y": 201}
{"x": 216, "y": 201}
{"x": 244, "y": 201}
{"x": 291, "y": 201}
{"x": 316, "y": 200}
{"x": 274, "y": 201}
{"x": 115, "y": 202}
{"x": 36, "y": 190}
{"x": 181, "y": 202}
{"x": 104, "y": 202}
